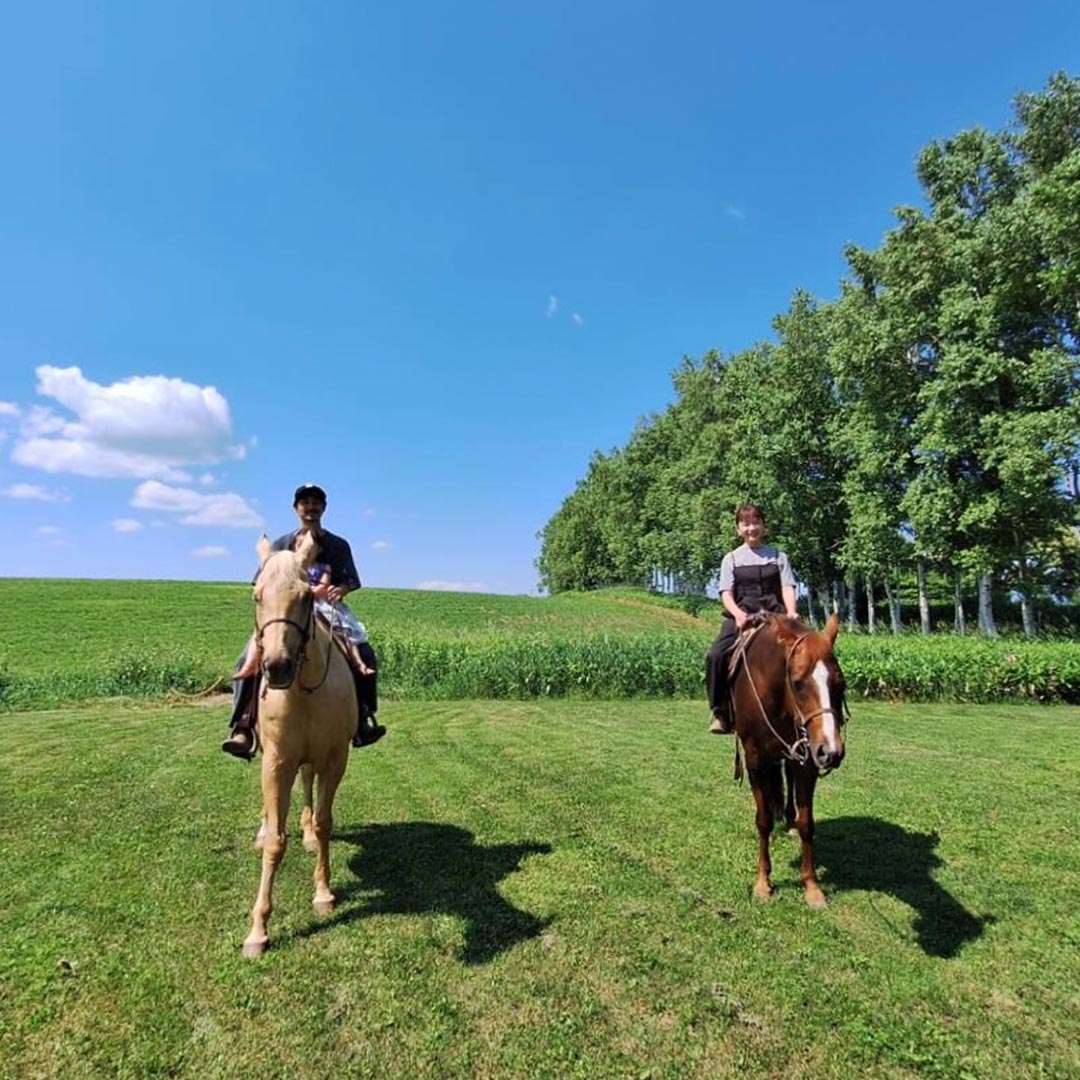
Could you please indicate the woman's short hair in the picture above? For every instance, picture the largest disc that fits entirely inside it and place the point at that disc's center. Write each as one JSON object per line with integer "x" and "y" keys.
{"x": 749, "y": 510}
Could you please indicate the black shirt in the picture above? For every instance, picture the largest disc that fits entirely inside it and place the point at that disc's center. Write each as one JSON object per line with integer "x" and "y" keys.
{"x": 334, "y": 551}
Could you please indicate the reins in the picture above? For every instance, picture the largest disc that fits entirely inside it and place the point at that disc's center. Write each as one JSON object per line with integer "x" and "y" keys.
{"x": 307, "y": 633}
{"x": 798, "y": 750}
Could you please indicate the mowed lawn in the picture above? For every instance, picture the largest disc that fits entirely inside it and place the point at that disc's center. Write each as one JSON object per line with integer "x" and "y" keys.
{"x": 551, "y": 889}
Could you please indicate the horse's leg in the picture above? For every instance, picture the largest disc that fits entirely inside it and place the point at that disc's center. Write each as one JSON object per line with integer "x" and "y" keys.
{"x": 277, "y": 781}
{"x": 759, "y": 785}
{"x": 805, "y": 781}
{"x": 789, "y": 798}
{"x": 307, "y": 814}
{"x": 329, "y": 779}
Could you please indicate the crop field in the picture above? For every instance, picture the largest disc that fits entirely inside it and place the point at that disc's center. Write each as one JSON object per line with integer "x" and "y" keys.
{"x": 65, "y": 641}
{"x": 543, "y": 889}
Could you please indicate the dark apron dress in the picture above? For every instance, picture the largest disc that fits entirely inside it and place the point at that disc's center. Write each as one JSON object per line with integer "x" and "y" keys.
{"x": 756, "y": 588}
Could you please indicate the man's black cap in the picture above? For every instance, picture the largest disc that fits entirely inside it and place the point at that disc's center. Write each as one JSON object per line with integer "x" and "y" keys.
{"x": 304, "y": 490}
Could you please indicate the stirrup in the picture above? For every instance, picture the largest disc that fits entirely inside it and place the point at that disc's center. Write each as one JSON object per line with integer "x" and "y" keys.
{"x": 230, "y": 746}
{"x": 721, "y": 723}
{"x": 367, "y": 734}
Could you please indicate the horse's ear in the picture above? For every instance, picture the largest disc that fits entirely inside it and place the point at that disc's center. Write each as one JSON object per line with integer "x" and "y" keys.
{"x": 263, "y": 549}
{"x": 306, "y": 550}
{"x": 832, "y": 627}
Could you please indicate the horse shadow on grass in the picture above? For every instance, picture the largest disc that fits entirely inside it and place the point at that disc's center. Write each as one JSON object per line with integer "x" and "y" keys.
{"x": 869, "y": 854}
{"x": 418, "y": 867}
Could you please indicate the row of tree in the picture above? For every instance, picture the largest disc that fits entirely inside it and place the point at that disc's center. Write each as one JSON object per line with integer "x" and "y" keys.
{"x": 924, "y": 424}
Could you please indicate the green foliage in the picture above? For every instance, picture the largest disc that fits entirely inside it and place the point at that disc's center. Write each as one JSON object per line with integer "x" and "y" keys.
{"x": 929, "y": 416}
{"x": 181, "y": 638}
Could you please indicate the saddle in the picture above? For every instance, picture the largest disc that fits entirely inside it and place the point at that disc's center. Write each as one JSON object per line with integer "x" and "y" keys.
{"x": 749, "y": 631}
{"x": 747, "y": 634}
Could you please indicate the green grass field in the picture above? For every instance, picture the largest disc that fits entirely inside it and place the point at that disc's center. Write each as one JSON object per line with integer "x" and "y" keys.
{"x": 543, "y": 889}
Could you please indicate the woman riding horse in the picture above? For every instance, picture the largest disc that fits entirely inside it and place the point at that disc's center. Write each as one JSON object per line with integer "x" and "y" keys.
{"x": 753, "y": 578}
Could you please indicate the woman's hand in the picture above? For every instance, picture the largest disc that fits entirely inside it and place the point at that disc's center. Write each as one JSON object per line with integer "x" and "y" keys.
{"x": 740, "y": 617}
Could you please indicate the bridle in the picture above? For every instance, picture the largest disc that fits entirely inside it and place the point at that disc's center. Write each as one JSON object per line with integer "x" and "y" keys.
{"x": 306, "y": 632}
{"x": 798, "y": 750}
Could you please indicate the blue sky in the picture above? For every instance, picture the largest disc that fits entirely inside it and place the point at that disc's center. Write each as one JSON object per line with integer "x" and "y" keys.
{"x": 429, "y": 256}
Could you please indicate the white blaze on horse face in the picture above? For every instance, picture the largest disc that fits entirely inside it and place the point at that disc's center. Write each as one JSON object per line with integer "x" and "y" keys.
{"x": 828, "y": 717}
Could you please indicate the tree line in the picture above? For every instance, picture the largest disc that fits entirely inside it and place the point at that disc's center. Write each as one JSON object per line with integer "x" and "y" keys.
{"x": 921, "y": 428}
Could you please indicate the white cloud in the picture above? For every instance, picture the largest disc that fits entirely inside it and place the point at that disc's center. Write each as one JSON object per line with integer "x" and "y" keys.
{"x": 9, "y": 408}
{"x": 220, "y": 509}
{"x": 209, "y": 551}
{"x": 552, "y": 307}
{"x": 126, "y": 525}
{"x": 33, "y": 491}
{"x": 368, "y": 511}
{"x": 49, "y": 530}
{"x": 207, "y": 479}
{"x": 453, "y": 586}
{"x": 382, "y": 545}
{"x": 735, "y": 212}
{"x": 144, "y": 427}
{"x": 577, "y": 320}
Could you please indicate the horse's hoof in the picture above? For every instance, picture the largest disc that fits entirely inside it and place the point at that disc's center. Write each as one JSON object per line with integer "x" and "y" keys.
{"x": 762, "y": 893}
{"x": 815, "y": 898}
{"x": 253, "y": 949}
{"x": 310, "y": 843}
{"x": 324, "y": 907}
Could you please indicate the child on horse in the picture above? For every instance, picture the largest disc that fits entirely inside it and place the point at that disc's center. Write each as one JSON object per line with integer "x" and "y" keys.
{"x": 753, "y": 578}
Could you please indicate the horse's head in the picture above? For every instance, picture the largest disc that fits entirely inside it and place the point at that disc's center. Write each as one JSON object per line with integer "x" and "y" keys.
{"x": 284, "y": 613}
{"x": 816, "y": 689}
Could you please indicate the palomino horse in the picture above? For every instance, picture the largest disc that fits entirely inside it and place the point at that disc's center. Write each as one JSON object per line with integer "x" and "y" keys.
{"x": 307, "y": 718}
{"x": 788, "y": 704}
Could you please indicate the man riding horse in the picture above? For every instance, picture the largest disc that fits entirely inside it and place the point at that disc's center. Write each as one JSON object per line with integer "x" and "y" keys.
{"x": 334, "y": 577}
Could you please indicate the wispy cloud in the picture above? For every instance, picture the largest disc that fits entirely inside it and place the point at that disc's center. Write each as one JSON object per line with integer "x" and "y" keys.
{"x": 221, "y": 509}
{"x": 144, "y": 427}
{"x": 368, "y": 511}
{"x": 34, "y": 491}
{"x": 382, "y": 545}
{"x": 552, "y": 307}
{"x": 49, "y": 530}
{"x": 209, "y": 551}
{"x": 9, "y": 408}
{"x": 454, "y": 586}
{"x": 736, "y": 212}
{"x": 577, "y": 320}
{"x": 126, "y": 525}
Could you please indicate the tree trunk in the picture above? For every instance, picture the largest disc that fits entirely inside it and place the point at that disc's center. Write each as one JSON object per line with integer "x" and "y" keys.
{"x": 871, "y": 611}
{"x": 958, "y": 605}
{"x": 1027, "y": 613}
{"x": 852, "y": 606}
{"x": 810, "y": 605}
{"x": 987, "y": 625}
{"x": 894, "y": 607}
{"x": 924, "y": 597}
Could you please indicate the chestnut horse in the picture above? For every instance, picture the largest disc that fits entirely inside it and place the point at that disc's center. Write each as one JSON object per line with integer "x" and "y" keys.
{"x": 787, "y": 694}
{"x": 307, "y": 718}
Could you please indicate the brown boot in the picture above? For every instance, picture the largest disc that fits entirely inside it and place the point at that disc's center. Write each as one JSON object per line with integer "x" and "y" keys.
{"x": 243, "y": 743}
{"x": 721, "y": 721}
